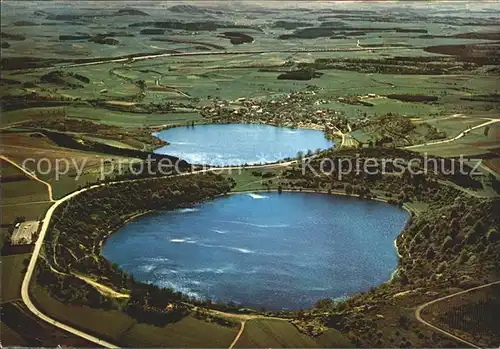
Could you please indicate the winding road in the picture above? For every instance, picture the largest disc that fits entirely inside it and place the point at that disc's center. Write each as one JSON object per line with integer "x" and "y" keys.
{"x": 240, "y": 332}
{"x": 39, "y": 243}
{"x": 418, "y": 313}
{"x": 46, "y": 221}
{"x": 127, "y": 60}
{"x": 31, "y": 267}
{"x": 460, "y": 135}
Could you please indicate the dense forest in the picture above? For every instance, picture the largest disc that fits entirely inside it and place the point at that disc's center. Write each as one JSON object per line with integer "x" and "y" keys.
{"x": 453, "y": 243}
{"x": 79, "y": 227}
{"x": 448, "y": 247}
{"x": 389, "y": 174}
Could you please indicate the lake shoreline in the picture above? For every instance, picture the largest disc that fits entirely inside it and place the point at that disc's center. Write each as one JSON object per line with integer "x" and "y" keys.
{"x": 229, "y": 144}
{"x": 340, "y": 194}
{"x": 311, "y": 126}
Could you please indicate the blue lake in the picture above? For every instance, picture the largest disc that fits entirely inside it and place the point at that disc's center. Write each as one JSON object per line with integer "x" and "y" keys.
{"x": 264, "y": 250}
{"x": 238, "y": 144}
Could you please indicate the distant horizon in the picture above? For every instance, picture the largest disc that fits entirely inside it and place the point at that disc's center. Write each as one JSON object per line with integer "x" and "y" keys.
{"x": 419, "y": 5}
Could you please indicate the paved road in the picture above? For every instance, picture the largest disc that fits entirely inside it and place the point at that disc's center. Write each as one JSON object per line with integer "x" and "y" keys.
{"x": 218, "y": 53}
{"x": 348, "y": 140}
{"x": 39, "y": 243}
{"x": 418, "y": 313}
{"x": 102, "y": 289}
{"x": 460, "y": 135}
{"x": 240, "y": 332}
{"x": 243, "y": 318}
{"x": 31, "y": 267}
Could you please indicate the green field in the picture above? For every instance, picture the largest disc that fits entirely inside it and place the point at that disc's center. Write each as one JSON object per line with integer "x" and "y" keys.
{"x": 17, "y": 187}
{"x": 264, "y": 333}
{"x": 246, "y": 179}
{"x": 361, "y": 72}
{"x": 187, "y": 333}
{"x": 66, "y": 184}
{"x": 13, "y": 267}
{"x": 16, "y": 116}
{"x": 475, "y": 143}
{"x": 31, "y": 211}
{"x": 23, "y": 192}
{"x": 21, "y": 196}
{"x": 125, "y": 119}
{"x": 118, "y": 327}
{"x": 110, "y": 324}
{"x": 10, "y": 337}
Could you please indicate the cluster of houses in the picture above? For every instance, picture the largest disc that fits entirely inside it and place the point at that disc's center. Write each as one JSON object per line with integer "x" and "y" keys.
{"x": 295, "y": 110}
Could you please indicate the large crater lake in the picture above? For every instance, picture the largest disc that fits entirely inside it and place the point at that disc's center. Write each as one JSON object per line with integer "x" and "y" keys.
{"x": 277, "y": 251}
{"x": 238, "y": 144}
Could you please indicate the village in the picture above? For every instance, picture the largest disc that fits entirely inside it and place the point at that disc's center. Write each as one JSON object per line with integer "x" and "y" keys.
{"x": 294, "y": 110}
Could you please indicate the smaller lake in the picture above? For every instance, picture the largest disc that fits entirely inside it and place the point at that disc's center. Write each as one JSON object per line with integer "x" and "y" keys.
{"x": 264, "y": 250}
{"x": 238, "y": 144}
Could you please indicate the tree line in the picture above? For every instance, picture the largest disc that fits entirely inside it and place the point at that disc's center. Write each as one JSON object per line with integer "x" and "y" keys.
{"x": 80, "y": 225}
